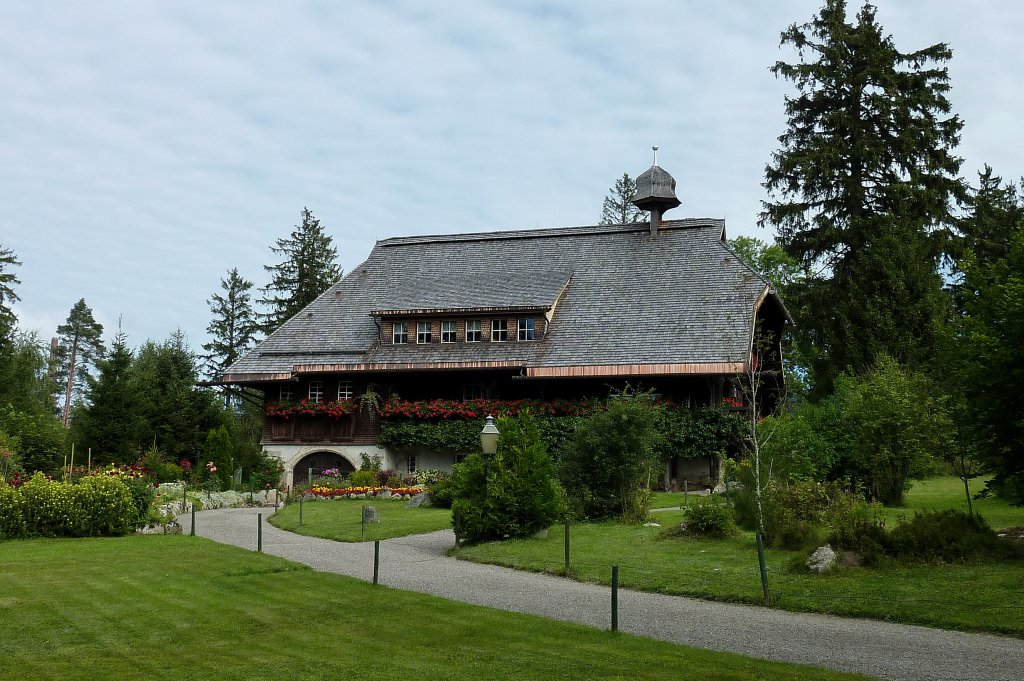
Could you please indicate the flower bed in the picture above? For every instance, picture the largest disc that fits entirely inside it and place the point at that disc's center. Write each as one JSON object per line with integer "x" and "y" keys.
{"x": 287, "y": 409}
{"x": 322, "y": 492}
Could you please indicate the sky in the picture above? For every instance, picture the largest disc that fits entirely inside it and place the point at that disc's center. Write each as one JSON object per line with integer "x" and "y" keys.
{"x": 146, "y": 148}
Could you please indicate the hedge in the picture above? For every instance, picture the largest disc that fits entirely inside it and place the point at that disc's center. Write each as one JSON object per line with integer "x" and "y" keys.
{"x": 96, "y": 506}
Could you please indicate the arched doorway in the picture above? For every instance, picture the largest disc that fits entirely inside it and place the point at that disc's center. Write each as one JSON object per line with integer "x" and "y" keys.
{"x": 318, "y": 462}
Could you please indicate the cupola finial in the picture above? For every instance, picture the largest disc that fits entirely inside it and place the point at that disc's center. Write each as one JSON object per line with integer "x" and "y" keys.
{"x": 655, "y": 192}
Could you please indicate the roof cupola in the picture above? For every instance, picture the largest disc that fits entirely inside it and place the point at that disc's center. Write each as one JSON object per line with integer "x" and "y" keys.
{"x": 655, "y": 192}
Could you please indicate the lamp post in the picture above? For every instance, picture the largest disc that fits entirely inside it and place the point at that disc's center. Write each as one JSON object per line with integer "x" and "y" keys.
{"x": 489, "y": 443}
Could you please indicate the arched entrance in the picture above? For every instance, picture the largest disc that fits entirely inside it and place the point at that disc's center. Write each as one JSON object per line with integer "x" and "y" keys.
{"x": 318, "y": 462}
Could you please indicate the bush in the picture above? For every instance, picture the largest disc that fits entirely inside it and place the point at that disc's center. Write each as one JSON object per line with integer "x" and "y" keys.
{"x": 711, "y": 518}
{"x": 107, "y": 507}
{"x": 156, "y": 463}
{"x": 49, "y": 508}
{"x": 441, "y": 493}
{"x": 516, "y": 494}
{"x": 611, "y": 458}
{"x": 947, "y": 536}
{"x": 267, "y": 473}
{"x": 363, "y": 478}
{"x": 12, "y": 520}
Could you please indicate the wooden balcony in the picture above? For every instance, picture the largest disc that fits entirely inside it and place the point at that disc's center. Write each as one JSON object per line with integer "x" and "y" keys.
{"x": 348, "y": 429}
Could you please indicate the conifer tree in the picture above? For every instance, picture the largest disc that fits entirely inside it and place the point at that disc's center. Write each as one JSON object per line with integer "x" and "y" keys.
{"x": 860, "y": 190}
{"x": 80, "y": 347}
{"x": 233, "y": 325}
{"x": 309, "y": 268}
{"x": 617, "y": 208}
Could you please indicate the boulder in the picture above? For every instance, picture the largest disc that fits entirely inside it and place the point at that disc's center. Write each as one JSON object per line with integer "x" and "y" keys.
{"x": 169, "y": 528}
{"x": 821, "y": 560}
{"x": 384, "y": 494}
{"x": 421, "y": 499}
{"x": 370, "y": 515}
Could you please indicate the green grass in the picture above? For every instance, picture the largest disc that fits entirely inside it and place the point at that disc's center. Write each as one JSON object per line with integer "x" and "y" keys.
{"x": 162, "y": 607}
{"x": 937, "y": 494}
{"x": 981, "y": 597}
{"x": 341, "y": 519}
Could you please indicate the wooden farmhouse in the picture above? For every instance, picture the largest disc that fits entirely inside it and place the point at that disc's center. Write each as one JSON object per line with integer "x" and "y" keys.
{"x": 543, "y": 314}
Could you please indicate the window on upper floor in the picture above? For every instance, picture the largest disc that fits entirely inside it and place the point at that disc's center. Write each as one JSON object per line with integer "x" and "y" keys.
{"x": 345, "y": 390}
{"x": 447, "y": 332}
{"x": 499, "y": 330}
{"x": 400, "y": 333}
{"x": 316, "y": 391}
{"x": 474, "y": 333}
{"x": 526, "y": 329}
{"x": 286, "y": 393}
{"x": 423, "y": 332}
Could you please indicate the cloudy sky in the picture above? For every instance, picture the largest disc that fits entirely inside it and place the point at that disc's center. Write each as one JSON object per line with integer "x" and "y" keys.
{"x": 148, "y": 147}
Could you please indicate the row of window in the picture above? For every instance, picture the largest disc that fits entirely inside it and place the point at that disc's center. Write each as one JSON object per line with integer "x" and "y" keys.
{"x": 526, "y": 331}
{"x": 317, "y": 392}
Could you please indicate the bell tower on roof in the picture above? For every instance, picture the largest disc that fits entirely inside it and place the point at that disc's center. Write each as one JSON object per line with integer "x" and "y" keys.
{"x": 655, "y": 192}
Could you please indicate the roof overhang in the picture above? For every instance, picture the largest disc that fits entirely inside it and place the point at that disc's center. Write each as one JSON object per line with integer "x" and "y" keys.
{"x": 619, "y": 370}
{"x": 457, "y": 311}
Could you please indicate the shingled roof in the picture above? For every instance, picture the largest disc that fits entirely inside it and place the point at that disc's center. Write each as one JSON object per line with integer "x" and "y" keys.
{"x": 624, "y": 302}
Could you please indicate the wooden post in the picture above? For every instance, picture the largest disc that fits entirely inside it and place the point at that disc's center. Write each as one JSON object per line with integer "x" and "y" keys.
{"x": 259, "y": 532}
{"x": 566, "y": 546}
{"x": 615, "y": 597}
{"x": 376, "y": 560}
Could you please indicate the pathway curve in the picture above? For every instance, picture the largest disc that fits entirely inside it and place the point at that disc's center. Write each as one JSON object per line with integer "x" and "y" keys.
{"x": 418, "y": 563}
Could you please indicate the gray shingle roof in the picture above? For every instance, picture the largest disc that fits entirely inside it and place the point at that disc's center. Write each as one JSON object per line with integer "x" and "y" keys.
{"x": 626, "y": 298}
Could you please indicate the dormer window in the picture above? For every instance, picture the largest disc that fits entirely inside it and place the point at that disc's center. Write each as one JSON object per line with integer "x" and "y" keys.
{"x": 400, "y": 333}
{"x": 526, "y": 329}
{"x": 474, "y": 333}
{"x": 423, "y": 332}
{"x": 447, "y": 332}
{"x": 499, "y": 330}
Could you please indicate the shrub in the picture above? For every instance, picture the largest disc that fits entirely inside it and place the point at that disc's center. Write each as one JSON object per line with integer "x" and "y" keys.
{"x": 712, "y": 518}
{"x": 370, "y": 463}
{"x": 387, "y": 476}
{"x": 12, "y": 520}
{"x": 441, "y": 493}
{"x": 363, "y": 478}
{"x": 107, "y": 506}
{"x": 612, "y": 456}
{"x": 49, "y": 507}
{"x": 516, "y": 494}
{"x": 949, "y": 535}
{"x": 156, "y": 463}
{"x": 267, "y": 473}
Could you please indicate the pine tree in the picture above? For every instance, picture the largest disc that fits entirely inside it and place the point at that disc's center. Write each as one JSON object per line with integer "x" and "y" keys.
{"x": 860, "y": 190}
{"x": 617, "y": 208}
{"x": 80, "y": 347}
{"x": 7, "y": 295}
{"x": 309, "y": 268}
{"x": 232, "y": 327}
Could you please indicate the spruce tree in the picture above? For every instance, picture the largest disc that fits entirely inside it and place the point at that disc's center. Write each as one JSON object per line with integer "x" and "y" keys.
{"x": 618, "y": 208}
{"x": 309, "y": 268}
{"x": 860, "y": 190}
{"x": 80, "y": 347}
{"x": 233, "y": 325}
{"x": 8, "y": 297}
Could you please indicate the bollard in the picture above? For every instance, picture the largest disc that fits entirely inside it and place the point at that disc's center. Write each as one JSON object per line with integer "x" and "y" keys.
{"x": 362, "y": 524}
{"x": 184, "y": 496}
{"x": 276, "y": 498}
{"x": 300, "y": 510}
{"x": 764, "y": 571}
{"x": 686, "y": 492}
{"x": 376, "y": 560}
{"x": 259, "y": 532}
{"x": 458, "y": 526}
{"x": 615, "y": 597}
{"x": 192, "y": 530}
{"x": 566, "y": 546}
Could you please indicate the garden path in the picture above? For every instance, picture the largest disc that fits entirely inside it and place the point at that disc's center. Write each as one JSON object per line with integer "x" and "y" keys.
{"x": 418, "y": 563}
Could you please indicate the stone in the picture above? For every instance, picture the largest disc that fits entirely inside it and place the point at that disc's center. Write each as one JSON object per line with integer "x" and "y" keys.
{"x": 421, "y": 499}
{"x": 370, "y": 515}
{"x": 652, "y": 524}
{"x": 168, "y": 528}
{"x": 821, "y": 560}
{"x": 541, "y": 534}
{"x": 384, "y": 494}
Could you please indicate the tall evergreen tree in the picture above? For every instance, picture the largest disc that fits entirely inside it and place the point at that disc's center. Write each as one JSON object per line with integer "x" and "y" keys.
{"x": 111, "y": 426}
{"x": 309, "y": 268}
{"x": 860, "y": 190}
{"x": 7, "y": 294}
{"x": 617, "y": 208}
{"x": 233, "y": 325}
{"x": 80, "y": 347}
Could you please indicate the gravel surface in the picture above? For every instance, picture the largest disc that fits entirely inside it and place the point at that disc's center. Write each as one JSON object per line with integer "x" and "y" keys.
{"x": 418, "y": 563}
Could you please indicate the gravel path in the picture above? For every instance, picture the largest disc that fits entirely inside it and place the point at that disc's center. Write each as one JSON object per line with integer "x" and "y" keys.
{"x": 418, "y": 563}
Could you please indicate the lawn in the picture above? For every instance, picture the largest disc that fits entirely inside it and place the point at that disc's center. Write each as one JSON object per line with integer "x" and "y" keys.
{"x": 164, "y": 607}
{"x": 948, "y": 492}
{"x": 341, "y": 519}
{"x": 980, "y": 597}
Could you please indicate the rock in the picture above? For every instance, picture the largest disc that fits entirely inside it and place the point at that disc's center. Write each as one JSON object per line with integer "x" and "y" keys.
{"x": 720, "y": 488}
{"x": 541, "y": 534}
{"x": 370, "y": 515}
{"x": 384, "y": 494}
{"x": 169, "y": 528}
{"x": 652, "y": 524}
{"x": 822, "y": 559}
{"x": 421, "y": 499}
